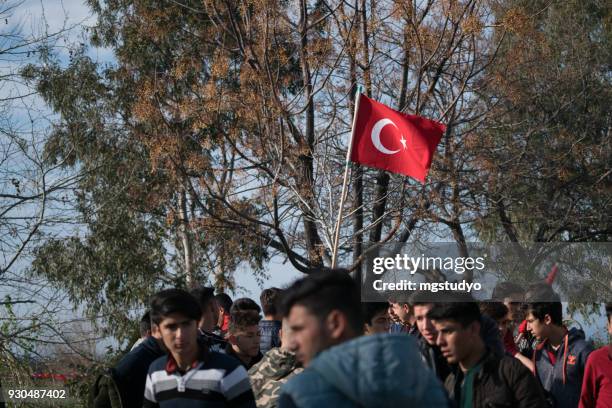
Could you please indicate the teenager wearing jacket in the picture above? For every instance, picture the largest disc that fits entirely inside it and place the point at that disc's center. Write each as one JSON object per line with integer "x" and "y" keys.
{"x": 597, "y": 383}
{"x": 483, "y": 378}
{"x": 343, "y": 368}
{"x": 561, "y": 354}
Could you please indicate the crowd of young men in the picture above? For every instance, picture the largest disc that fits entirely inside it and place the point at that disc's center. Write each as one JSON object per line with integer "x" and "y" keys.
{"x": 318, "y": 345}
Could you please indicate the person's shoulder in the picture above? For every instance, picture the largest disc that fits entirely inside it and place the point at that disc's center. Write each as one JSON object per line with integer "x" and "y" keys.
{"x": 581, "y": 345}
{"x": 303, "y": 381}
{"x": 600, "y": 354}
{"x": 222, "y": 360}
{"x": 512, "y": 363}
{"x": 158, "y": 364}
{"x": 143, "y": 354}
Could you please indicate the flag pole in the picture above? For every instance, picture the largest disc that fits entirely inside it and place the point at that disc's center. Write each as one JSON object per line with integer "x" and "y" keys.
{"x": 345, "y": 181}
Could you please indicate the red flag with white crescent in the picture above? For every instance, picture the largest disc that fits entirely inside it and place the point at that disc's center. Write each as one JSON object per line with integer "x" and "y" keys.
{"x": 390, "y": 140}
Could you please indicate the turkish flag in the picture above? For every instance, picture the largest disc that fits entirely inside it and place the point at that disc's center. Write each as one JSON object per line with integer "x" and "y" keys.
{"x": 390, "y": 140}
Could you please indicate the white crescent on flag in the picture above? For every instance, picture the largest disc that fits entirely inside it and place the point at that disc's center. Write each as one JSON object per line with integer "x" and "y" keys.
{"x": 376, "y": 129}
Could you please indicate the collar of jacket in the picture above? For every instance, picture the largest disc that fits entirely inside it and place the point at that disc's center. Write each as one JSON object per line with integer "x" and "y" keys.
{"x": 564, "y": 344}
{"x": 489, "y": 361}
{"x": 172, "y": 366}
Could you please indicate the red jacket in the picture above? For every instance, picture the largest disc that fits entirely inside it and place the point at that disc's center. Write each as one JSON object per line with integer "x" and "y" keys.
{"x": 597, "y": 383}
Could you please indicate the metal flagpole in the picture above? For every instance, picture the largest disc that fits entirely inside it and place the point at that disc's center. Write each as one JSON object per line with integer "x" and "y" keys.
{"x": 345, "y": 181}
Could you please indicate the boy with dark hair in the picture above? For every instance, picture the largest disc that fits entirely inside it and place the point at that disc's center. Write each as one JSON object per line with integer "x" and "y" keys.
{"x": 344, "y": 368}
{"x": 597, "y": 384}
{"x": 404, "y": 315}
{"x": 421, "y": 304}
{"x": 560, "y": 357}
{"x": 224, "y": 304}
{"x": 484, "y": 379}
{"x": 375, "y": 317}
{"x": 243, "y": 337}
{"x": 498, "y": 312}
{"x": 144, "y": 329}
{"x": 191, "y": 375}
{"x": 124, "y": 384}
{"x": 512, "y": 296}
{"x": 206, "y": 299}
{"x": 244, "y": 303}
{"x": 145, "y": 325}
{"x": 276, "y": 367}
{"x": 271, "y": 324}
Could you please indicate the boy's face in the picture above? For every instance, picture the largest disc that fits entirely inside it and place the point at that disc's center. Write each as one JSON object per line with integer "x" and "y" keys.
{"x": 179, "y": 334}
{"x": 310, "y": 336}
{"x": 246, "y": 340}
{"x": 610, "y": 325}
{"x": 209, "y": 317}
{"x": 424, "y": 324}
{"x": 504, "y": 324}
{"x": 539, "y": 328}
{"x": 513, "y": 304}
{"x": 220, "y": 315}
{"x": 455, "y": 341}
{"x": 402, "y": 311}
{"x": 379, "y": 323}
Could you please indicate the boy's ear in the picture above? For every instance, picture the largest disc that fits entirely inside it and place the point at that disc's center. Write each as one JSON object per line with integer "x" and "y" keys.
{"x": 231, "y": 339}
{"x": 547, "y": 319}
{"x": 336, "y": 323}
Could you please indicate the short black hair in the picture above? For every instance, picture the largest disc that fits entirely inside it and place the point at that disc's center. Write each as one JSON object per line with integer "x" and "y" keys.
{"x": 171, "y": 301}
{"x": 269, "y": 298}
{"x": 505, "y": 289}
{"x": 609, "y": 310}
{"x": 224, "y": 301}
{"x": 204, "y": 295}
{"x": 242, "y": 319}
{"x": 145, "y": 324}
{"x": 539, "y": 310}
{"x": 244, "y": 303}
{"x": 321, "y": 292}
{"x": 495, "y": 310}
{"x": 462, "y": 308}
{"x": 371, "y": 309}
{"x": 541, "y": 300}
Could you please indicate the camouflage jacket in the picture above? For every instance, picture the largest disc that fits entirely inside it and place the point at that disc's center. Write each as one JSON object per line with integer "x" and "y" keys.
{"x": 267, "y": 376}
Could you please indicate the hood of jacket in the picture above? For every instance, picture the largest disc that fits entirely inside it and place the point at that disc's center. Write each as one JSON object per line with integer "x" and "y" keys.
{"x": 383, "y": 367}
{"x": 575, "y": 342}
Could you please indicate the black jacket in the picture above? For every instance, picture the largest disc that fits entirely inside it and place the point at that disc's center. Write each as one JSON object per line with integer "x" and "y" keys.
{"x": 130, "y": 374}
{"x": 501, "y": 382}
{"x": 433, "y": 358}
{"x": 213, "y": 341}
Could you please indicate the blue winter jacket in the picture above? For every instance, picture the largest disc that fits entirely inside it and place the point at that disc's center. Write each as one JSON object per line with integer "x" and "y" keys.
{"x": 563, "y": 380}
{"x": 383, "y": 370}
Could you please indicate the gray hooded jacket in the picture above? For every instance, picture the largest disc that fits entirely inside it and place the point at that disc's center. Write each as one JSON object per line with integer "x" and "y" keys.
{"x": 563, "y": 380}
